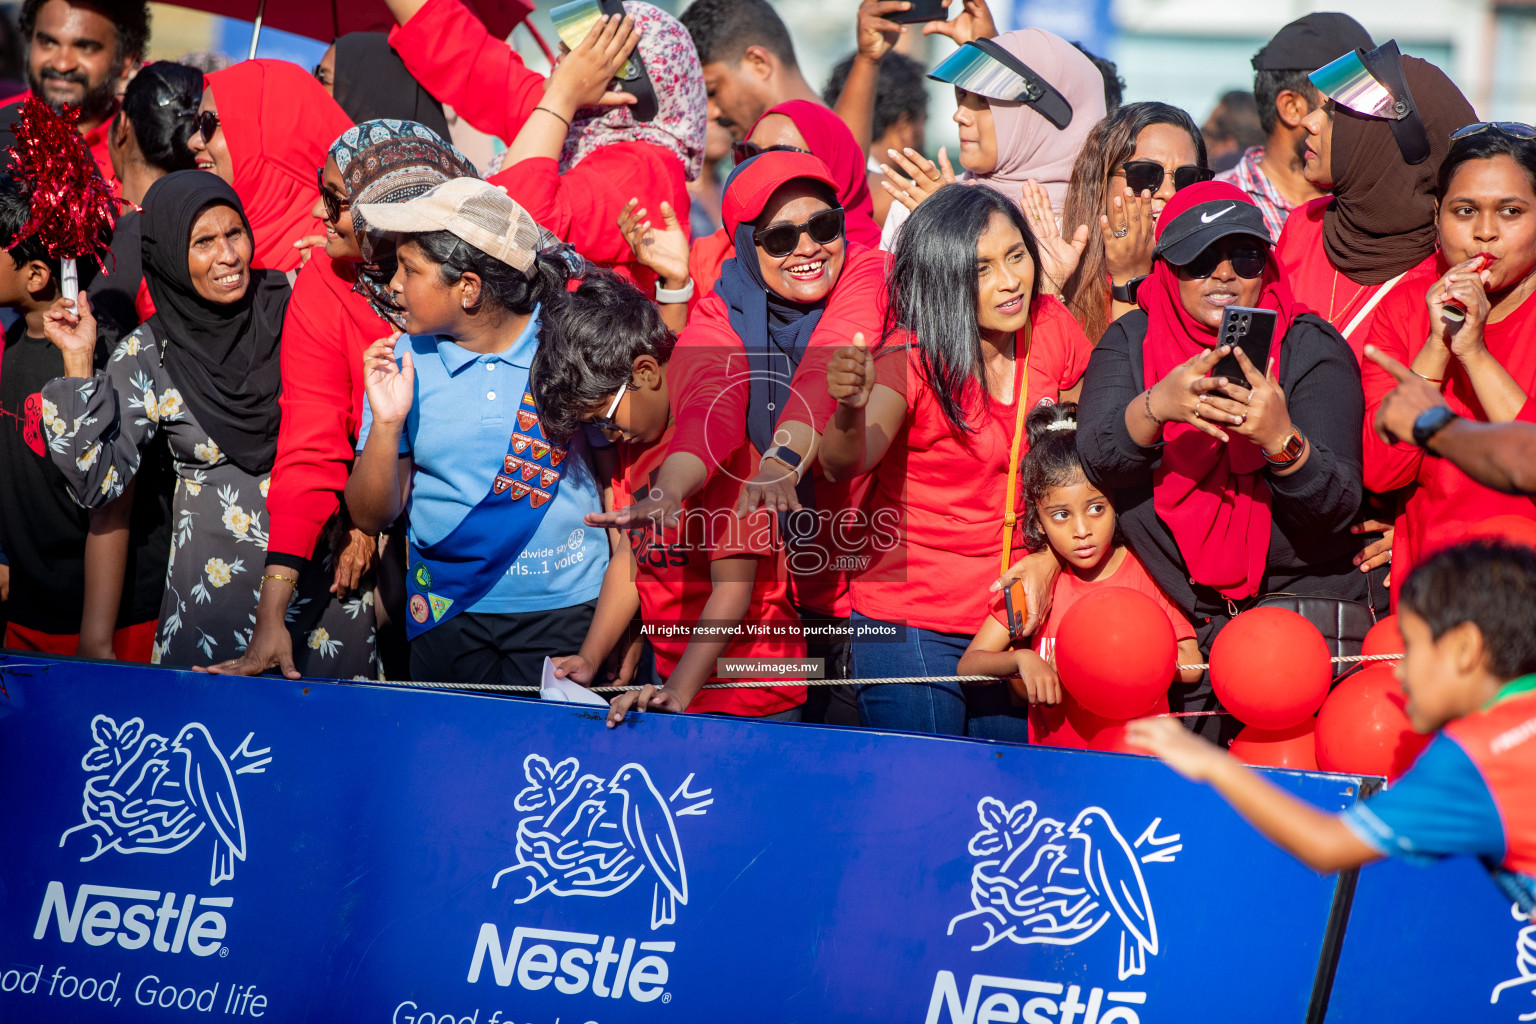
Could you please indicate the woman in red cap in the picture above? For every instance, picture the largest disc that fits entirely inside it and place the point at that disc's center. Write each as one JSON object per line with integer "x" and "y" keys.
{"x": 740, "y": 368}
{"x": 933, "y": 417}
{"x": 1228, "y": 487}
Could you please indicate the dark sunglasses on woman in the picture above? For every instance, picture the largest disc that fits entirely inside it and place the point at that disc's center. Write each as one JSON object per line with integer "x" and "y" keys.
{"x": 205, "y": 123}
{"x": 334, "y": 204}
{"x": 743, "y": 151}
{"x": 1147, "y": 175}
{"x": 1248, "y": 260}
{"x": 779, "y": 240}
{"x": 1514, "y": 129}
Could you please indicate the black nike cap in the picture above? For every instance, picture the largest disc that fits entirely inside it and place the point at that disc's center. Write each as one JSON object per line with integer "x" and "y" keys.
{"x": 1192, "y": 231}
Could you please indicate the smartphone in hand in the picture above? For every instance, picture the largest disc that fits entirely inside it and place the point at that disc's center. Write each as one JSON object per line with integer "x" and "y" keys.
{"x": 1252, "y": 330}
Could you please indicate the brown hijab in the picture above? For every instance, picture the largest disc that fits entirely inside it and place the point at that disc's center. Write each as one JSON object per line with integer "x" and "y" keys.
{"x": 1382, "y": 218}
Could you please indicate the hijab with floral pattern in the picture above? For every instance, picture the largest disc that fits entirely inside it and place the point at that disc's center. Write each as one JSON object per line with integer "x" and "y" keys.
{"x": 672, "y": 64}
{"x": 388, "y": 161}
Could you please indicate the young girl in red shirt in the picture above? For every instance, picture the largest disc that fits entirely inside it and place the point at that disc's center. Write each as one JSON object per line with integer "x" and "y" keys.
{"x": 1070, "y": 514}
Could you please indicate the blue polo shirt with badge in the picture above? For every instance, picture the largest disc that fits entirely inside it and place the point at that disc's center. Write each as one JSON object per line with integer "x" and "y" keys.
{"x": 464, "y": 411}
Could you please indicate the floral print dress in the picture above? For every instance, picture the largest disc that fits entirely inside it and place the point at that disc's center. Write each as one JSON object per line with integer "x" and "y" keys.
{"x": 96, "y": 428}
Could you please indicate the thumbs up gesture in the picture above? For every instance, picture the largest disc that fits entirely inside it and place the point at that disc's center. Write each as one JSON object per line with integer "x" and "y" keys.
{"x": 851, "y": 374}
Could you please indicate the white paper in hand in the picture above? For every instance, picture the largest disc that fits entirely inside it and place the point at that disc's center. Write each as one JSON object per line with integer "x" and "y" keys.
{"x": 553, "y": 687}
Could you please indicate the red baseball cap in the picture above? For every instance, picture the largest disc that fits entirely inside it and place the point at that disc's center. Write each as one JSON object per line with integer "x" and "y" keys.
{"x": 753, "y": 183}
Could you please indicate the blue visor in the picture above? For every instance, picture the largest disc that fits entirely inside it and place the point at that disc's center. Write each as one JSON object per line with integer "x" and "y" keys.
{"x": 1371, "y": 83}
{"x": 986, "y": 69}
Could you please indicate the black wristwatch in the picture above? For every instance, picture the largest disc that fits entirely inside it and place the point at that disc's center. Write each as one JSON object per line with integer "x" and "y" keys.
{"x": 1430, "y": 422}
{"x": 1126, "y": 292}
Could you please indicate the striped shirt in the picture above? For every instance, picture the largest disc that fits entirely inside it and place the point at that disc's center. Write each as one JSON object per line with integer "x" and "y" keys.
{"x": 1247, "y": 176}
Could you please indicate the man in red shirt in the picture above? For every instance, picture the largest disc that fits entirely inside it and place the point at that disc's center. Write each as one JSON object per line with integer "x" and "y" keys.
{"x": 749, "y": 61}
{"x": 81, "y": 53}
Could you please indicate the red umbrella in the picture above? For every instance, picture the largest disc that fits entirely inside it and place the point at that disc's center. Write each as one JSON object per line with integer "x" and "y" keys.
{"x": 327, "y": 19}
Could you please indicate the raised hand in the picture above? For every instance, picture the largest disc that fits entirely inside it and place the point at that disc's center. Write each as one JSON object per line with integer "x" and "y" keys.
{"x": 1059, "y": 256}
{"x": 581, "y": 77}
{"x": 1463, "y": 287}
{"x": 973, "y": 22}
{"x": 1259, "y": 414}
{"x": 851, "y": 374}
{"x": 923, "y": 177}
{"x": 875, "y": 33}
{"x": 1128, "y": 230}
{"x": 664, "y": 251}
{"x": 390, "y": 386}
{"x": 1178, "y": 397}
{"x": 72, "y": 330}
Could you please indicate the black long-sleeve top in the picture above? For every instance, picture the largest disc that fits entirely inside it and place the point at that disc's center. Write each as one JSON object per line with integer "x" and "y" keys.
{"x": 1310, "y": 547}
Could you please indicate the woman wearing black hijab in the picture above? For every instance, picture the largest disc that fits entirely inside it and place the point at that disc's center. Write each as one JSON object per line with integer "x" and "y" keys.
{"x": 369, "y": 81}
{"x": 203, "y": 371}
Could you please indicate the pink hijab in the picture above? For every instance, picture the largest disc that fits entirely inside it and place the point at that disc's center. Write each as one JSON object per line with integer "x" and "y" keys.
{"x": 1029, "y": 146}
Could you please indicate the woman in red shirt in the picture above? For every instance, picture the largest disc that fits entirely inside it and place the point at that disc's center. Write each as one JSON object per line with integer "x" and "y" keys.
{"x": 934, "y": 414}
{"x": 1485, "y": 363}
{"x": 582, "y": 155}
{"x": 341, "y": 304}
{"x": 263, "y": 127}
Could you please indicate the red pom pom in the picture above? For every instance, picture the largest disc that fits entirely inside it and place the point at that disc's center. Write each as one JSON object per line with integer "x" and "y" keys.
{"x": 72, "y": 207}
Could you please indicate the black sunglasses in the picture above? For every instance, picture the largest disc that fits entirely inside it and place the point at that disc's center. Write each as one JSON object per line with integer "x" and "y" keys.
{"x": 1248, "y": 260}
{"x": 334, "y": 204}
{"x": 1147, "y": 175}
{"x": 205, "y": 123}
{"x": 321, "y": 75}
{"x": 1513, "y": 129}
{"x": 743, "y": 151}
{"x": 779, "y": 240}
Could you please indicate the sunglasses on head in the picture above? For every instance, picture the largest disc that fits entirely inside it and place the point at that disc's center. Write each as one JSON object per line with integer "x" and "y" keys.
{"x": 334, "y": 204}
{"x": 1513, "y": 129}
{"x": 205, "y": 123}
{"x": 1147, "y": 175}
{"x": 1248, "y": 260}
{"x": 779, "y": 240}
{"x": 743, "y": 151}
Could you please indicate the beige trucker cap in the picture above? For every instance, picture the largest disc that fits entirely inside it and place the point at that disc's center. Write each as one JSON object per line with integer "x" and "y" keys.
{"x": 469, "y": 208}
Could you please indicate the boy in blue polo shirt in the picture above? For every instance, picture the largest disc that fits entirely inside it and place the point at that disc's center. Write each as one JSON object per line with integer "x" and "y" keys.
{"x": 1466, "y": 615}
{"x": 502, "y": 570}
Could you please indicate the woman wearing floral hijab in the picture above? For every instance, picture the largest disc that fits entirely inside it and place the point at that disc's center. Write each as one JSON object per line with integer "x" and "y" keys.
{"x": 203, "y": 371}
{"x": 340, "y": 306}
{"x": 582, "y": 154}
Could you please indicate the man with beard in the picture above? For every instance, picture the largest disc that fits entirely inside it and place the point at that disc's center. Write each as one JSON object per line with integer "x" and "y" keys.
{"x": 1271, "y": 173}
{"x": 749, "y": 61}
{"x": 81, "y": 53}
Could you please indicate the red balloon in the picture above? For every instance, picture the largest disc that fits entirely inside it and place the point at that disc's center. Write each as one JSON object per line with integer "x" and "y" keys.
{"x": 1384, "y": 638}
{"x": 1100, "y": 733}
{"x": 1363, "y": 729}
{"x": 1278, "y": 748}
{"x": 1115, "y": 652}
{"x": 1271, "y": 668}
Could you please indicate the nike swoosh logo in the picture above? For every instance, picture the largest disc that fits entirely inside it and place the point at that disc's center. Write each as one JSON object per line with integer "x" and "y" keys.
{"x": 1206, "y": 218}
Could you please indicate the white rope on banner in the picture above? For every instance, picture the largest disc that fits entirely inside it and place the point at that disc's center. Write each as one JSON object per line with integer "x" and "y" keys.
{"x": 755, "y": 684}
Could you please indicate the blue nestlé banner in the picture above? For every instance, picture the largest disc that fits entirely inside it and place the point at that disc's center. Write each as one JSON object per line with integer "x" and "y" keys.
{"x": 176, "y": 847}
